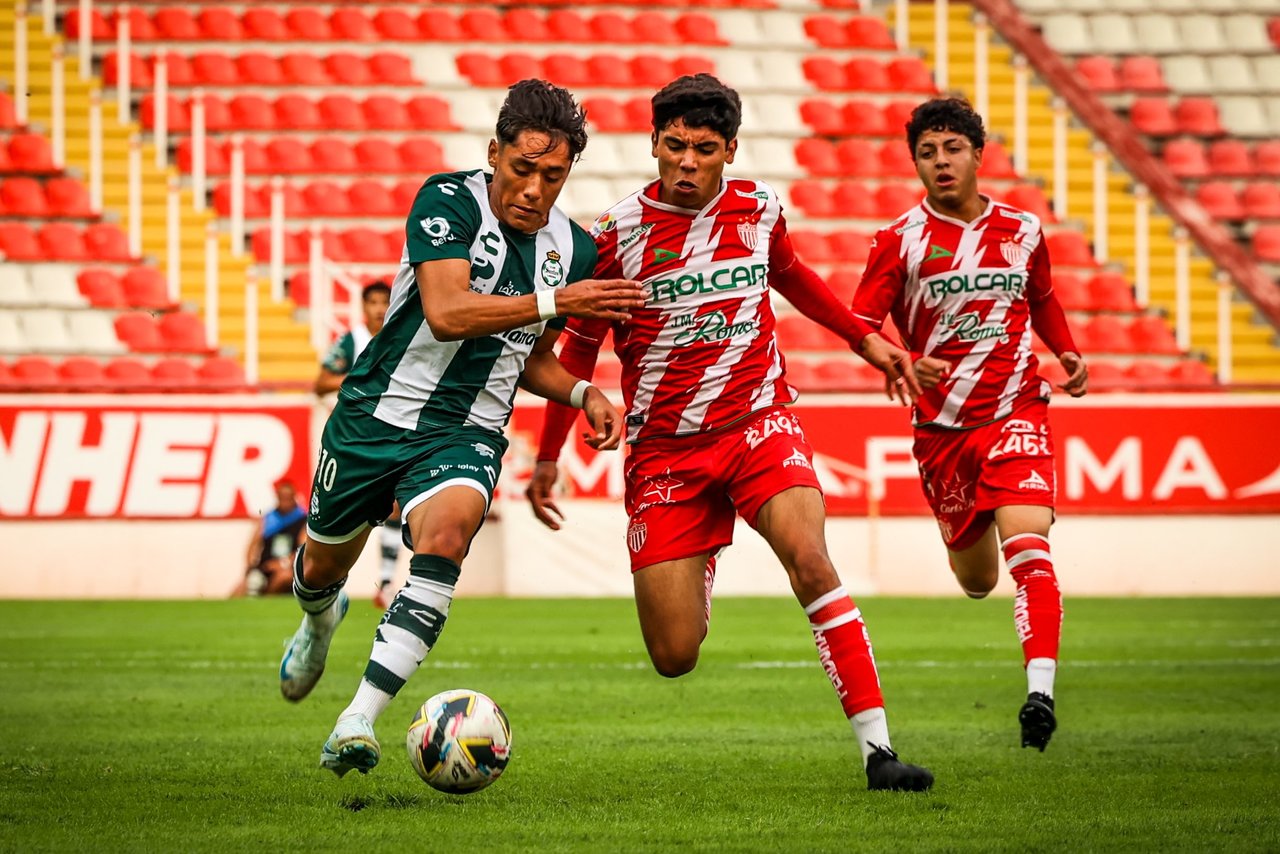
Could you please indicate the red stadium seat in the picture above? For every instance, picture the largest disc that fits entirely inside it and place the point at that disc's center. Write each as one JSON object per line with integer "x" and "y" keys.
{"x": 1153, "y": 117}
{"x": 849, "y": 247}
{"x": 353, "y": 25}
{"x": 376, "y": 155}
{"x": 20, "y": 196}
{"x": 81, "y": 373}
{"x": 896, "y": 116}
{"x": 220, "y": 373}
{"x": 1099, "y": 72}
{"x": 1191, "y": 372}
{"x": 824, "y": 73}
{"x": 99, "y": 28}
{"x": 62, "y": 242}
{"x": 217, "y": 69}
{"x": 1227, "y": 158}
{"x": 255, "y": 207}
{"x": 390, "y": 24}
{"x": 697, "y": 28}
{"x": 1109, "y": 334}
{"x": 648, "y": 70}
{"x": 818, "y": 157}
{"x": 482, "y": 25}
{"x": 844, "y": 284}
{"x": 1147, "y": 375}
{"x": 106, "y": 242}
{"x": 1142, "y": 74}
{"x": 145, "y": 287}
{"x": 439, "y": 25}
{"x": 264, "y": 24}
{"x": 127, "y": 374}
{"x": 304, "y": 69}
{"x": 182, "y": 331}
{"x": 1151, "y": 334}
{"x": 893, "y": 200}
{"x": 1103, "y": 375}
{"x": 654, "y": 28}
{"x": 404, "y": 193}
{"x": 421, "y": 155}
{"x": 526, "y": 25}
{"x": 1273, "y": 31}
{"x": 18, "y": 242}
{"x": 826, "y": 31}
{"x": 177, "y": 120}
{"x": 861, "y": 158}
{"x": 8, "y": 121}
{"x": 349, "y": 69}
{"x": 1185, "y": 158}
{"x": 558, "y": 67}
{"x": 895, "y": 160}
{"x": 220, "y": 23}
{"x": 392, "y": 69}
{"x": 380, "y": 112}
{"x": 1198, "y": 117}
{"x": 253, "y": 112}
{"x": 329, "y": 154}
{"x": 865, "y": 118}
{"x": 100, "y": 287}
{"x": 138, "y": 330}
{"x": 1266, "y": 156}
{"x": 1110, "y": 292}
{"x": 325, "y": 198}
{"x": 174, "y": 374}
{"x": 340, "y": 112}
{"x": 1220, "y": 200}
{"x": 813, "y": 198}
{"x": 566, "y": 25}
{"x": 910, "y": 74}
{"x": 1072, "y": 292}
{"x": 140, "y": 26}
{"x": 869, "y": 32}
{"x": 256, "y": 159}
{"x": 480, "y": 69}
{"x": 217, "y": 113}
{"x": 853, "y": 199}
{"x": 1266, "y": 243}
{"x": 427, "y": 112}
{"x": 811, "y": 247}
{"x": 308, "y": 24}
{"x": 864, "y": 74}
{"x": 1069, "y": 249}
{"x": 371, "y": 198}
{"x": 295, "y": 112}
{"x": 822, "y": 116}
{"x": 68, "y": 197}
{"x": 1260, "y": 199}
{"x": 639, "y": 114}
{"x": 365, "y": 244}
{"x": 33, "y": 371}
{"x": 1030, "y": 198}
{"x": 139, "y": 70}
{"x": 31, "y": 153}
{"x": 606, "y": 114}
{"x": 691, "y": 64}
{"x": 996, "y": 162}
{"x": 288, "y": 155}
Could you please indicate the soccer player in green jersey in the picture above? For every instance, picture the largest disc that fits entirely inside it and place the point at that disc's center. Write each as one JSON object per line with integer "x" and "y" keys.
{"x": 489, "y": 272}
{"x": 375, "y": 299}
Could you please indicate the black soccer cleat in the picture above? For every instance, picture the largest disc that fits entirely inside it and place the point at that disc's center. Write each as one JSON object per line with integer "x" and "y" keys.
{"x": 1038, "y": 722}
{"x": 886, "y": 772}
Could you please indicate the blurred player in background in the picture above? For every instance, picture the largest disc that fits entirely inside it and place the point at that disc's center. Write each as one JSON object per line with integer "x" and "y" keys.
{"x": 966, "y": 280}
{"x": 705, "y": 392}
{"x": 277, "y": 535}
{"x": 489, "y": 269}
{"x": 375, "y": 299}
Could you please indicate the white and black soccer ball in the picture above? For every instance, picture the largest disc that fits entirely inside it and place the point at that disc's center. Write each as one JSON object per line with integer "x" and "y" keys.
{"x": 459, "y": 741}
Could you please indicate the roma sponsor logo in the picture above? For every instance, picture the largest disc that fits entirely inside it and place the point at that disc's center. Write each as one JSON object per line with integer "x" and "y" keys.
{"x": 969, "y": 327}
{"x": 713, "y": 326}
{"x": 724, "y": 279}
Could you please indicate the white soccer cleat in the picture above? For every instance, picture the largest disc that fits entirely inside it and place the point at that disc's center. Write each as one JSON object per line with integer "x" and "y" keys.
{"x": 351, "y": 747}
{"x": 303, "y": 661}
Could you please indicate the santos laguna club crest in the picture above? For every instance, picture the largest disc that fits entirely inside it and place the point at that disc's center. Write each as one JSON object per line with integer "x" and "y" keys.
{"x": 552, "y": 272}
{"x": 637, "y": 533}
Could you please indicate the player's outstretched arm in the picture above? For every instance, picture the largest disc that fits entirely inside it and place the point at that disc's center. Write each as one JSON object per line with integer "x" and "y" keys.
{"x": 327, "y": 381}
{"x": 539, "y": 493}
{"x": 546, "y": 377}
{"x": 454, "y": 311}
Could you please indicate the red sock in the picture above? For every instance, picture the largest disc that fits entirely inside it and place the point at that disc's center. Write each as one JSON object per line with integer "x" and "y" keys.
{"x": 844, "y": 649}
{"x": 1037, "y": 606}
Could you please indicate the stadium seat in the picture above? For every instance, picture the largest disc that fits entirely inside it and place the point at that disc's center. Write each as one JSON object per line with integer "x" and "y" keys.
{"x": 1153, "y": 117}
{"x": 1197, "y": 117}
{"x": 996, "y": 162}
{"x": 253, "y": 112}
{"x": 182, "y": 331}
{"x": 606, "y": 114}
{"x": 894, "y": 159}
{"x": 45, "y": 330}
{"x": 853, "y": 199}
{"x": 648, "y": 70}
{"x": 1185, "y": 158}
{"x": 1191, "y": 372}
{"x": 849, "y": 247}
{"x": 811, "y": 247}
{"x": 308, "y": 24}
{"x": 340, "y": 112}
{"x": 439, "y": 25}
{"x": 303, "y": 69}
{"x": 910, "y": 74}
{"x": 174, "y": 374}
{"x": 1069, "y": 249}
{"x": 826, "y": 31}
{"x": 63, "y": 242}
{"x": 325, "y": 198}
{"x": 526, "y": 25}
{"x": 23, "y": 197}
{"x": 33, "y": 372}
{"x": 1106, "y": 333}
{"x": 1071, "y": 291}
{"x": 348, "y": 69}
{"x": 264, "y": 24}
{"x": 391, "y": 69}
{"x": 1266, "y": 156}
{"x": 1229, "y": 158}
{"x": 138, "y": 330}
{"x": 145, "y": 287}
{"x": 1030, "y": 198}
{"x": 864, "y": 74}
{"x": 426, "y": 112}
{"x": 1152, "y": 335}
{"x": 812, "y": 198}
{"x": 99, "y": 28}
{"x": 255, "y": 205}
{"x": 1261, "y": 200}
{"x": 220, "y": 373}
{"x": 380, "y": 112}
{"x": 865, "y": 118}
{"x": 127, "y": 374}
{"x": 869, "y": 32}
{"x": 1266, "y": 243}
{"x": 376, "y": 156}
{"x": 482, "y": 25}
{"x": 1220, "y": 200}
{"x": 220, "y": 23}
{"x": 81, "y": 373}
{"x": 1099, "y": 72}
{"x": 295, "y": 112}
{"x": 106, "y": 242}
{"x": 31, "y": 153}
{"x": 404, "y": 193}
{"x": 1104, "y": 375}
{"x": 8, "y": 121}
{"x": 605, "y": 70}
{"x": 19, "y": 242}
{"x": 893, "y": 200}
{"x": 139, "y": 71}
{"x": 176, "y": 23}
{"x": 825, "y": 73}
{"x": 861, "y": 158}
{"x": 698, "y": 28}
{"x": 354, "y": 25}
{"x": 1109, "y": 292}
{"x": 68, "y": 197}
{"x": 177, "y": 119}
{"x": 370, "y": 198}
{"x": 100, "y": 287}
{"x": 1147, "y": 375}
{"x": 817, "y": 157}
{"x": 211, "y": 68}
{"x": 288, "y": 155}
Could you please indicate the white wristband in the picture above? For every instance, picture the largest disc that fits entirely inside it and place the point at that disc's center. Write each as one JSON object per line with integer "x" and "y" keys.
{"x": 547, "y": 304}
{"x": 579, "y": 392}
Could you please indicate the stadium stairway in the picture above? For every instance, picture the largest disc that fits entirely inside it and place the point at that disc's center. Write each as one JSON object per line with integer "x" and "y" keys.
{"x": 1255, "y": 358}
{"x": 285, "y": 353}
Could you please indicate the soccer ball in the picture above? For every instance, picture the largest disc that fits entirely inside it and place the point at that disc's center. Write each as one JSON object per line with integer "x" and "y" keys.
{"x": 459, "y": 741}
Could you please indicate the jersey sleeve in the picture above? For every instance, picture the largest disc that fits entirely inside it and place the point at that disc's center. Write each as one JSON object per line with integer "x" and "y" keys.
{"x": 605, "y": 235}
{"x": 882, "y": 281}
{"x": 1047, "y": 317}
{"x": 443, "y": 221}
{"x": 340, "y": 356}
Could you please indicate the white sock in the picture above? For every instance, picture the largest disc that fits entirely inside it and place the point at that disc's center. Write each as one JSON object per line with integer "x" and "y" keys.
{"x": 368, "y": 701}
{"x": 871, "y": 728}
{"x": 1040, "y": 673}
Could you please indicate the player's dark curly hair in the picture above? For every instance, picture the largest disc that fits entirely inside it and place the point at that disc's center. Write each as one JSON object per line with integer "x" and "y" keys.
{"x": 701, "y": 101}
{"x": 943, "y": 114}
{"x": 539, "y": 106}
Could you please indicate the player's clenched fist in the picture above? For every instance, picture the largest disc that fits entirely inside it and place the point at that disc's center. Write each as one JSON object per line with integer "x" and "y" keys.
{"x": 611, "y": 299}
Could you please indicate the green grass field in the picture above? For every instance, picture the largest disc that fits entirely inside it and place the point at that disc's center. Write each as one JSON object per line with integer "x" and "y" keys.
{"x": 159, "y": 727}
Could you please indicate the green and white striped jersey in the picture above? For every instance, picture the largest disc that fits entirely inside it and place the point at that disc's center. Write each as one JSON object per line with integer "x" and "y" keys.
{"x": 406, "y": 377}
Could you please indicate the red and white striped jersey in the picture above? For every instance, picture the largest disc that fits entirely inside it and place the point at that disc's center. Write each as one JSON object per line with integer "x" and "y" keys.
{"x": 963, "y": 292}
{"x": 701, "y": 353}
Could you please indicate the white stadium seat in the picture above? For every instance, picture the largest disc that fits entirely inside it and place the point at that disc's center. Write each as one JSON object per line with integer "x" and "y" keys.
{"x": 11, "y": 337}
{"x": 1266, "y": 70}
{"x": 781, "y": 71}
{"x": 1188, "y": 75}
{"x": 1272, "y": 103}
{"x": 1243, "y": 115}
{"x": 45, "y": 330}
{"x": 1157, "y": 34}
{"x": 1039, "y": 7}
{"x": 55, "y": 285}
{"x": 739, "y": 69}
{"x": 15, "y": 292}
{"x": 1232, "y": 74}
{"x": 1203, "y": 34}
{"x": 1113, "y": 34}
{"x": 1067, "y": 33}
{"x": 92, "y": 331}
{"x": 1247, "y": 33}
{"x": 741, "y": 27}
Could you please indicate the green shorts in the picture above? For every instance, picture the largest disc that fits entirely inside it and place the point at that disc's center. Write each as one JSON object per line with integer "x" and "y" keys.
{"x": 366, "y": 464}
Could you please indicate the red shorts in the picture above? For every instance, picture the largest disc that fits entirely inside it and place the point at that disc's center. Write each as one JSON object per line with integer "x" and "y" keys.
{"x": 967, "y": 474}
{"x": 682, "y": 493}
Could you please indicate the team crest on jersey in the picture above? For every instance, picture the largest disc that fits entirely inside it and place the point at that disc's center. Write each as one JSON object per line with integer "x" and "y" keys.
{"x": 637, "y": 533}
{"x": 749, "y": 231}
{"x": 606, "y": 222}
{"x": 1011, "y": 249}
{"x": 552, "y": 272}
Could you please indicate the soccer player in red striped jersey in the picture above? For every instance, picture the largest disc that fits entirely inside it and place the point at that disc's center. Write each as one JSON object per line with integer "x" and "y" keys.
{"x": 705, "y": 391}
{"x": 967, "y": 280}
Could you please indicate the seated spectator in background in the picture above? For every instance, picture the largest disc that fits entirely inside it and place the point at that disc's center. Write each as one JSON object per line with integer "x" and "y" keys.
{"x": 276, "y": 537}
{"x": 375, "y": 299}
